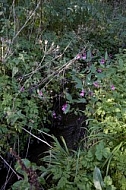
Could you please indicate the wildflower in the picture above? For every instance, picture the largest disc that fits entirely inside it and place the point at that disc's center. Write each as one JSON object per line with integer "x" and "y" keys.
{"x": 82, "y": 93}
{"x": 64, "y": 107}
{"x": 54, "y": 114}
{"x": 102, "y": 61}
{"x": 84, "y": 56}
{"x": 96, "y": 84}
{"x": 99, "y": 70}
{"x": 112, "y": 87}
{"x": 40, "y": 93}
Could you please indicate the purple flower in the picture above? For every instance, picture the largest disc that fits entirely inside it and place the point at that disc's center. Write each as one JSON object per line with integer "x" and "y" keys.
{"x": 102, "y": 61}
{"x": 54, "y": 114}
{"x": 83, "y": 56}
{"x": 82, "y": 93}
{"x": 96, "y": 84}
{"x": 112, "y": 87}
{"x": 64, "y": 107}
{"x": 99, "y": 70}
{"x": 40, "y": 93}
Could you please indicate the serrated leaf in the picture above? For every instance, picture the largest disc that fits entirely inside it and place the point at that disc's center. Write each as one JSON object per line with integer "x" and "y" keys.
{"x": 78, "y": 81}
{"x": 93, "y": 69}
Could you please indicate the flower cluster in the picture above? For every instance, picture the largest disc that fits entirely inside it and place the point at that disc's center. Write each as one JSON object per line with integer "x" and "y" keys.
{"x": 82, "y": 93}
{"x": 56, "y": 116}
{"x": 64, "y": 107}
{"x": 102, "y": 61}
{"x": 112, "y": 87}
{"x": 82, "y": 56}
{"x": 96, "y": 84}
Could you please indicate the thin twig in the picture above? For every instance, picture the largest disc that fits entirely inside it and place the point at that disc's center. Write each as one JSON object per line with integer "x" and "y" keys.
{"x": 17, "y": 34}
{"x": 19, "y": 177}
{"x": 7, "y": 180}
{"x": 36, "y": 137}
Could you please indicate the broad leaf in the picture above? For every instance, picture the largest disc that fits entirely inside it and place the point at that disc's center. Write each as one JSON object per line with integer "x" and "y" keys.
{"x": 97, "y": 179}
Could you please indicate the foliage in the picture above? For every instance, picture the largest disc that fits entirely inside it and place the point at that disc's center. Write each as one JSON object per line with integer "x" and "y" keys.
{"x": 107, "y": 132}
{"x": 108, "y": 116}
{"x": 65, "y": 50}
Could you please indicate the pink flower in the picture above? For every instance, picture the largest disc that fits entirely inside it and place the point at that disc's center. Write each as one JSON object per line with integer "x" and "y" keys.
{"x": 112, "y": 87}
{"x": 82, "y": 93}
{"x": 54, "y": 114}
{"x": 84, "y": 56}
{"x": 99, "y": 70}
{"x": 96, "y": 84}
{"x": 102, "y": 61}
{"x": 40, "y": 93}
{"x": 64, "y": 107}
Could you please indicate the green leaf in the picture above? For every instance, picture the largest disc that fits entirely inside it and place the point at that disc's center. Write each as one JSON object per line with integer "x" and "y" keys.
{"x": 100, "y": 76}
{"x": 78, "y": 81}
{"x": 18, "y": 167}
{"x": 14, "y": 71}
{"x": 106, "y": 56}
{"x": 89, "y": 56}
{"x": 81, "y": 100}
{"x": 69, "y": 97}
{"x": 99, "y": 151}
{"x": 88, "y": 78}
{"x": 97, "y": 179}
{"x": 108, "y": 180}
{"x": 22, "y": 184}
{"x": 106, "y": 152}
{"x": 121, "y": 64}
{"x": 93, "y": 69}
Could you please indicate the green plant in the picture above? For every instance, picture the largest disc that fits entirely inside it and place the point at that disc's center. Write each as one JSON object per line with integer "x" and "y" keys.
{"x": 99, "y": 183}
{"x": 108, "y": 118}
{"x": 66, "y": 170}
{"x": 29, "y": 177}
{"x": 70, "y": 58}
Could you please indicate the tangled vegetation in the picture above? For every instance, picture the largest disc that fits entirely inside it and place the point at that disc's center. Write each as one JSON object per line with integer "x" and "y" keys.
{"x": 74, "y": 51}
